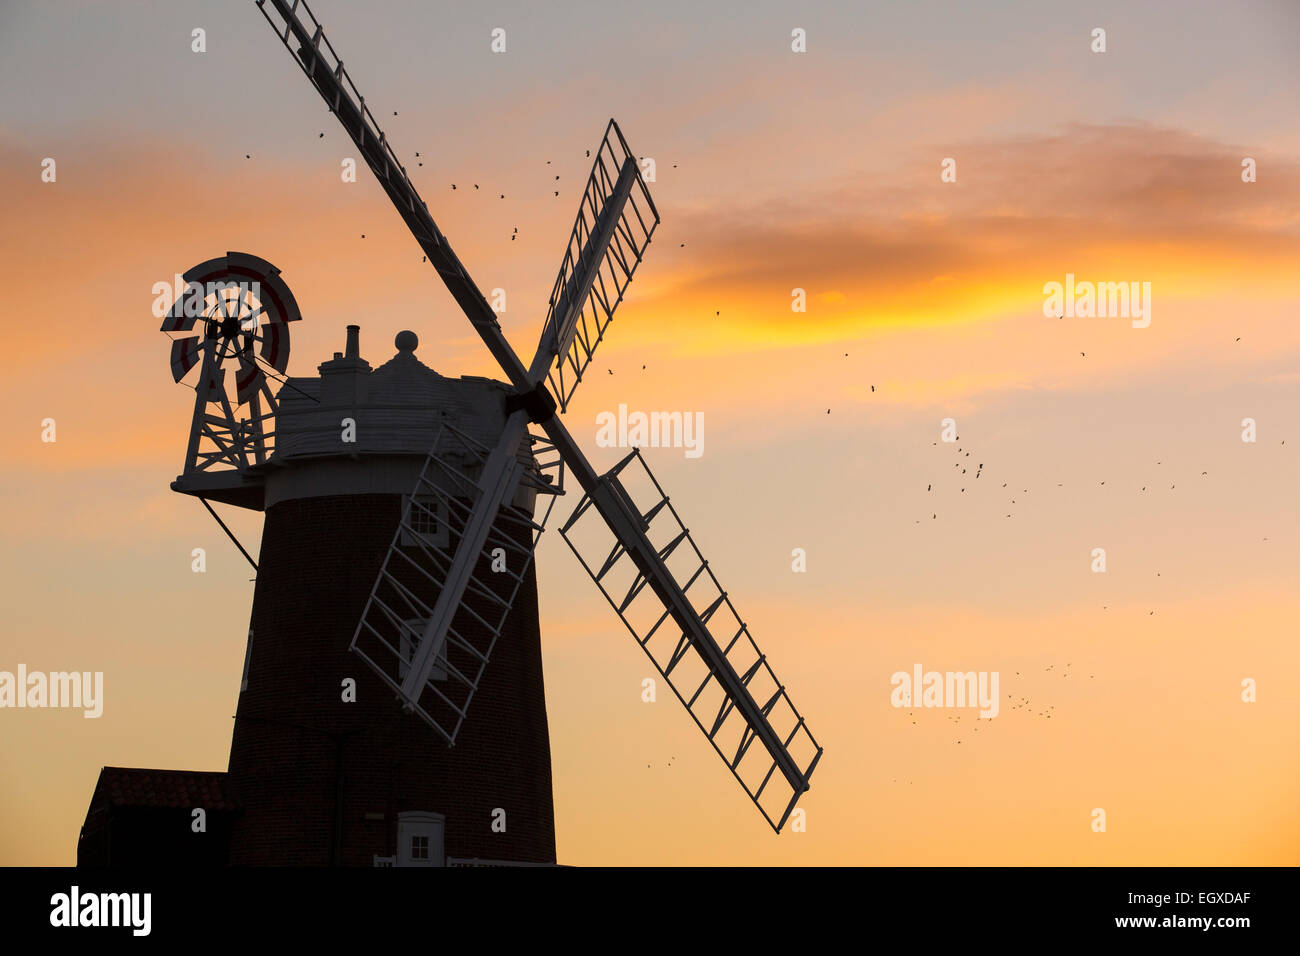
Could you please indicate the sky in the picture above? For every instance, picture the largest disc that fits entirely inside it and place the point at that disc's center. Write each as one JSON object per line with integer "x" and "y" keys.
{"x": 775, "y": 171}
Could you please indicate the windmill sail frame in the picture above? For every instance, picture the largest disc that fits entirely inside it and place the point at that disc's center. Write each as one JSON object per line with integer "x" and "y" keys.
{"x": 615, "y": 223}
{"x": 683, "y": 659}
{"x": 447, "y": 495}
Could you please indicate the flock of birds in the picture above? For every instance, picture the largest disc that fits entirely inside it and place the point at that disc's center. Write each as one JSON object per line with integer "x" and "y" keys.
{"x": 419, "y": 162}
{"x": 969, "y": 469}
{"x": 979, "y": 468}
{"x": 514, "y": 235}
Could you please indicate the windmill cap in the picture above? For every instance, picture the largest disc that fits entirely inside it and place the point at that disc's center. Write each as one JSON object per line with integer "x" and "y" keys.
{"x": 406, "y": 341}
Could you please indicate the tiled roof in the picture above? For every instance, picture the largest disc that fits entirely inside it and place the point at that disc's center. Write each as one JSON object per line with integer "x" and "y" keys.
{"x": 132, "y": 787}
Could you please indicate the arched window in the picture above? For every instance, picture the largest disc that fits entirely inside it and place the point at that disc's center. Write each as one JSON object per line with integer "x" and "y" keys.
{"x": 419, "y": 838}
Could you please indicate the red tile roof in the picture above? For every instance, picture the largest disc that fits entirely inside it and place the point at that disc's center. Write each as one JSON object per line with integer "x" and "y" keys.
{"x": 132, "y": 787}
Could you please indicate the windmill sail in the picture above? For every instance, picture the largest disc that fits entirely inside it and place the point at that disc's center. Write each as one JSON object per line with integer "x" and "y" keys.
{"x": 673, "y": 605}
{"x": 304, "y": 37}
{"x": 615, "y": 221}
{"x": 436, "y": 674}
{"x": 499, "y": 477}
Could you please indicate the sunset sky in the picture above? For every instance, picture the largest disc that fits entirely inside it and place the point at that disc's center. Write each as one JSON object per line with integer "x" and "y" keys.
{"x": 775, "y": 170}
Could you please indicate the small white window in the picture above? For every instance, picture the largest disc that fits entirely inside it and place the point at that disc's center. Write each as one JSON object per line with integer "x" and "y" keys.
{"x": 419, "y": 838}
{"x": 424, "y": 520}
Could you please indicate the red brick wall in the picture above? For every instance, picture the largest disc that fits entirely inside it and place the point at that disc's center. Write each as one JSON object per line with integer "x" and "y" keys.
{"x": 318, "y": 563}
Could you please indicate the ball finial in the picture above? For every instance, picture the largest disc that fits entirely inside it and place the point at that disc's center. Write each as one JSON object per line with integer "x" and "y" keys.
{"x": 406, "y": 341}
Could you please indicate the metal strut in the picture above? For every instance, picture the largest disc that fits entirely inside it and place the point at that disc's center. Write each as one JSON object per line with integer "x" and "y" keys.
{"x": 229, "y": 534}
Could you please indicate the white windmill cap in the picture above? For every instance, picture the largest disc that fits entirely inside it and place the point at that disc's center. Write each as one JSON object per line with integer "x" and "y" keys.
{"x": 397, "y": 412}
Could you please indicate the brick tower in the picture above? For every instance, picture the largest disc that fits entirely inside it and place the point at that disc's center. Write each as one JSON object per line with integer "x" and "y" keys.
{"x": 324, "y": 778}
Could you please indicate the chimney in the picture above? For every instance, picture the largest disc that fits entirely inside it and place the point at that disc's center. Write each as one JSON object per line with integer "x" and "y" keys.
{"x": 343, "y": 380}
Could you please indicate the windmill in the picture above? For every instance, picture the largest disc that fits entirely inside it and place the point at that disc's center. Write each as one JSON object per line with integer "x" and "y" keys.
{"x": 233, "y": 316}
{"x": 649, "y": 568}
